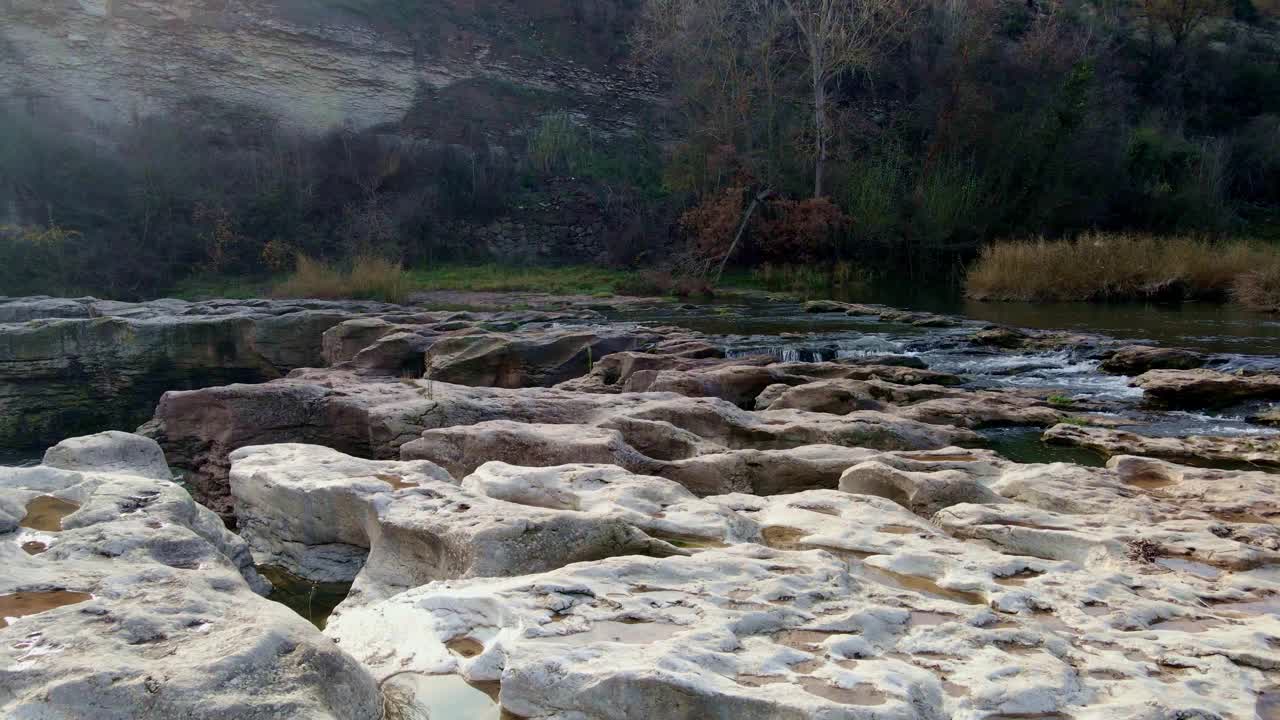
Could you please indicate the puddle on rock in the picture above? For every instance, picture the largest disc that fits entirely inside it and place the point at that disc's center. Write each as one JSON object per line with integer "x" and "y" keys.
{"x": 629, "y": 632}
{"x": 21, "y": 604}
{"x": 759, "y": 680}
{"x": 780, "y": 537}
{"x": 413, "y": 696}
{"x": 1193, "y": 567}
{"x": 395, "y": 481}
{"x": 861, "y": 694}
{"x": 1187, "y": 625}
{"x": 314, "y": 601}
{"x": 915, "y": 583}
{"x": 804, "y": 640}
{"x": 34, "y": 547}
{"x": 45, "y": 513}
{"x": 465, "y": 647}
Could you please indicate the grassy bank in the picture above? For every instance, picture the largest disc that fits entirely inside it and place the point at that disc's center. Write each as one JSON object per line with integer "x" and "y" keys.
{"x": 1103, "y": 267}
{"x": 373, "y": 278}
{"x": 377, "y": 279}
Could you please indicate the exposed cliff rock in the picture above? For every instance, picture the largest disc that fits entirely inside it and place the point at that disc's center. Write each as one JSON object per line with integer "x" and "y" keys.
{"x": 317, "y": 65}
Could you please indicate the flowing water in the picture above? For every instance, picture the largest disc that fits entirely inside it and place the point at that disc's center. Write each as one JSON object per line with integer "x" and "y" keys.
{"x": 1234, "y": 339}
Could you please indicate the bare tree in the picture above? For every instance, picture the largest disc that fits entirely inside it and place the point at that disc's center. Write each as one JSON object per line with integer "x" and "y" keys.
{"x": 1180, "y": 18}
{"x": 839, "y": 36}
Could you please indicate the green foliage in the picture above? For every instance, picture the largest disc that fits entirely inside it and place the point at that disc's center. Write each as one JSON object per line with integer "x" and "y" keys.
{"x": 561, "y": 146}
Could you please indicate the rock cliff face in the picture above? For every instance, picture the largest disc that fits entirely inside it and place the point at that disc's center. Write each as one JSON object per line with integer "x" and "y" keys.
{"x": 314, "y": 65}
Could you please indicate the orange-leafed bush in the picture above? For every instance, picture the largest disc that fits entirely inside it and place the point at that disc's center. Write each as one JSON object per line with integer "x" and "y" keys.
{"x": 712, "y": 224}
{"x": 799, "y": 231}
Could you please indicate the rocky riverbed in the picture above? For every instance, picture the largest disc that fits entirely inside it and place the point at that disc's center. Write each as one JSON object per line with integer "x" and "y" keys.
{"x": 648, "y": 511}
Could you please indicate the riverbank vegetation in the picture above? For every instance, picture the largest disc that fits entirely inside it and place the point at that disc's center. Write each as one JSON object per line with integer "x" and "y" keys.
{"x": 895, "y": 136}
{"x": 1117, "y": 266}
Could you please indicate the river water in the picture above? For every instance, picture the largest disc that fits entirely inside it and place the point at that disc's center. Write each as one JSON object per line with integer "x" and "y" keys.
{"x": 1235, "y": 340}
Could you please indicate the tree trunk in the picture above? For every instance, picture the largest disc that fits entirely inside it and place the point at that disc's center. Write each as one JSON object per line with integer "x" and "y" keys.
{"x": 820, "y": 129}
{"x": 742, "y": 227}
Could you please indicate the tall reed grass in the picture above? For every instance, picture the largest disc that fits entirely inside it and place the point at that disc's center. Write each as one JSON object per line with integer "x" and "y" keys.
{"x": 368, "y": 277}
{"x": 1108, "y": 266}
{"x": 1259, "y": 289}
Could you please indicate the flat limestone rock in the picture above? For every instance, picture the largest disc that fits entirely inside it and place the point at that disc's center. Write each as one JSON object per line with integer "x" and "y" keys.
{"x": 1206, "y": 388}
{"x": 1138, "y": 359}
{"x": 932, "y": 404}
{"x": 132, "y": 601}
{"x": 1260, "y": 450}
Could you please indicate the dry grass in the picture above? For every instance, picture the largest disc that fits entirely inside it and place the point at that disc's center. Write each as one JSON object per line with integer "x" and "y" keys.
{"x": 368, "y": 278}
{"x": 1259, "y": 289}
{"x": 1101, "y": 266}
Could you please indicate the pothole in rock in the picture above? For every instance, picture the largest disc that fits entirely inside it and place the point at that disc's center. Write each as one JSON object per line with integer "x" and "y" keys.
{"x": 758, "y": 680}
{"x": 1149, "y": 480}
{"x": 780, "y": 537}
{"x": 861, "y": 694}
{"x": 22, "y": 604}
{"x": 1192, "y": 567}
{"x": 915, "y": 583}
{"x": 689, "y": 542}
{"x": 34, "y": 547}
{"x": 45, "y": 513}
{"x": 413, "y": 696}
{"x": 921, "y": 618}
{"x": 465, "y": 647}
{"x": 628, "y": 631}
{"x": 809, "y": 641}
{"x": 314, "y": 601}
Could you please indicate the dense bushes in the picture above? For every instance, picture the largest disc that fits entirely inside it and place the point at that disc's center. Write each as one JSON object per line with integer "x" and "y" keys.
{"x": 132, "y": 214}
{"x": 987, "y": 120}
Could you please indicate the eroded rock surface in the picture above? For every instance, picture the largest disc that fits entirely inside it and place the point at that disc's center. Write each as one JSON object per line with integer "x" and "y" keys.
{"x": 1237, "y": 449}
{"x": 132, "y": 601}
{"x": 374, "y": 417}
{"x": 397, "y": 525}
{"x": 851, "y": 606}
